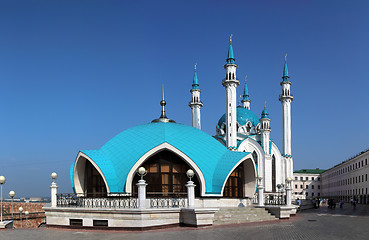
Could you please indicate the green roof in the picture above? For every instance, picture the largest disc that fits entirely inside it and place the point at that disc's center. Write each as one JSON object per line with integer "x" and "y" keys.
{"x": 310, "y": 171}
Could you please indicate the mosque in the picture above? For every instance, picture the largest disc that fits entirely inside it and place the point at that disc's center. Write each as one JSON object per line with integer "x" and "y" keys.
{"x": 227, "y": 168}
{"x": 225, "y": 165}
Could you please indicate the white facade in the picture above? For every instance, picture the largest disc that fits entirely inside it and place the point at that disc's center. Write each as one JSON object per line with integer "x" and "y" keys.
{"x": 306, "y": 185}
{"x": 348, "y": 179}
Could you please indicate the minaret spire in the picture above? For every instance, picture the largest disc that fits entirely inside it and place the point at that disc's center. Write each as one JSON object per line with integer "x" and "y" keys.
{"x": 286, "y": 98}
{"x": 163, "y": 117}
{"x": 245, "y": 98}
{"x": 195, "y": 103}
{"x": 230, "y": 83}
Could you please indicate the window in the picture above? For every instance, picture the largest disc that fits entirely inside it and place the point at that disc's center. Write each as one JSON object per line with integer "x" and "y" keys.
{"x": 312, "y": 186}
{"x": 301, "y": 178}
{"x": 301, "y": 186}
{"x": 318, "y": 186}
{"x": 75, "y": 222}
{"x": 166, "y": 173}
{"x": 296, "y": 186}
{"x": 307, "y": 187}
{"x": 312, "y": 194}
{"x": 318, "y": 178}
{"x": 296, "y": 178}
{"x": 307, "y": 178}
{"x": 312, "y": 178}
{"x": 100, "y": 223}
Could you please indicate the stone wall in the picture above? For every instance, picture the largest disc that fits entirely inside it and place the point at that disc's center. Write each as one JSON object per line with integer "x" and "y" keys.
{"x": 35, "y": 218}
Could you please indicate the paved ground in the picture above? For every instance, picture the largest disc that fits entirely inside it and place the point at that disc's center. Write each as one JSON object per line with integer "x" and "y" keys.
{"x": 322, "y": 223}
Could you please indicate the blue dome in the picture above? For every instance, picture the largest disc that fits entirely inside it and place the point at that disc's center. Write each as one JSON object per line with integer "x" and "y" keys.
{"x": 118, "y": 156}
{"x": 243, "y": 116}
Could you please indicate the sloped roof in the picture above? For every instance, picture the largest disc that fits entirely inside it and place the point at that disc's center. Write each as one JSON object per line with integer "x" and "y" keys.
{"x": 117, "y": 157}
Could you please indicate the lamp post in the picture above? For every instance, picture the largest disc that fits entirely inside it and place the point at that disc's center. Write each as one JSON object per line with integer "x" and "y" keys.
{"x": 141, "y": 185}
{"x": 190, "y": 189}
{"x": 11, "y": 195}
{"x": 54, "y": 189}
{"x": 288, "y": 191}
{"x": 2, "y": 181}
{"x": 260, "y": 191}
{"x": 20, "y": 211}
{"x": 26, "y": 213}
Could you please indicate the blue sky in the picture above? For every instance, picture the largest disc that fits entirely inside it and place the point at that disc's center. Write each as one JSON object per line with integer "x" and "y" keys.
{"x": 74, "y": 74}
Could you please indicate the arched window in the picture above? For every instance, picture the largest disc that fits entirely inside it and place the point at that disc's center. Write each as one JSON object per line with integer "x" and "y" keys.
{"x": 235, "y": 183}
{"x": 255, "y": 157}
{"x": 233, "y": 76}
{"x": 273, "y": 174}
{"x": 166, "y": 173}
{"x": 94, "y": 185}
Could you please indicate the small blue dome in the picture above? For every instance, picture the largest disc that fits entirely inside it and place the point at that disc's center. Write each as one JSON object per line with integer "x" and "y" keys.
{"x": 243, "y": 116}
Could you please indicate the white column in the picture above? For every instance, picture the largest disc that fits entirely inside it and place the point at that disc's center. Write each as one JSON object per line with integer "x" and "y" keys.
{"x": 190, "y": 194}
{"x": 54, "y": 191}
{"x": 231, "y": 112}
{"x": 288, "y": 194}
{"x": 260, "y": 194}
{"x": 141, "y": 193}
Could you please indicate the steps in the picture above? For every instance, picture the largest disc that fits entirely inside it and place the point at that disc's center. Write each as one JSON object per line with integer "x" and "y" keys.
{"x": 242, "y": 215}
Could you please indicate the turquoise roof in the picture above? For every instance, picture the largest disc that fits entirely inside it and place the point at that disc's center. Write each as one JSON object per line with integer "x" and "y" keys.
{"x": 243, "y": 116}
{"x": 230, "y": 58}
{"x": 264, "y": 113}
{"x": 245, "y": 93}
{"x": 285, "y": 73}
{"x": 195, "y": 84}
{"x": 117, "y": 157}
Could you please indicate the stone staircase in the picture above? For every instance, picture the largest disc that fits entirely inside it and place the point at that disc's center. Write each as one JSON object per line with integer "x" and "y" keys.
{"x": 242, "y": 215}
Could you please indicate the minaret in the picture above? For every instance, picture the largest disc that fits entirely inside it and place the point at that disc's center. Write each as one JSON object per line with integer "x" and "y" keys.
{"x": 231, "y": 83}
{"x": 245, "y": 97}
{"x": 265, "y": 129}
{"x": 195, "y": 103}
{"x": 286, "y": 99}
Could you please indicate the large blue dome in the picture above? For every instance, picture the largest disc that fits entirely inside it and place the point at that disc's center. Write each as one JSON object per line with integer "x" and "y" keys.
{"x": 243, "y": 116}
{"x": 118, "y": 156}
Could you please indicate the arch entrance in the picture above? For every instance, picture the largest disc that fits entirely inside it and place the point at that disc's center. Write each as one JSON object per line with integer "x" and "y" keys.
{"x": 166, "y": 174}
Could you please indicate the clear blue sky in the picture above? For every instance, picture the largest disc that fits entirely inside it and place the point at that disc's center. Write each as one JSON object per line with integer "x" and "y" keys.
{"x": 74, "y": 74}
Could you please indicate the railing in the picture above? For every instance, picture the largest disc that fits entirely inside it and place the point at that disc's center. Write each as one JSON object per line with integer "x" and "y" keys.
{"x": 167, "y": 200}
{"x": 114, "y": 200}
{"x": 274, "y": 199}
{"x": 255, "y": 199}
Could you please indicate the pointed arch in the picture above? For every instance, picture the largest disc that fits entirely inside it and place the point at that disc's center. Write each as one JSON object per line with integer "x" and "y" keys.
{"x": 79, "y": 173}
{"x": 161, "y": 147}
{"x": 250, "y": 172}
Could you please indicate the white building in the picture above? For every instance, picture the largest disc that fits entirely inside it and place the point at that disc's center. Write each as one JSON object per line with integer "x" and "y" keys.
{"x": 307, "y": 183}
{"x": 348, "y": 179}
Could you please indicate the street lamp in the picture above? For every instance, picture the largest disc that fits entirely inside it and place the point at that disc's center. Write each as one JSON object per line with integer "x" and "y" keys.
{"x": 54, "y": 176}
{"x": 142, "y": 172}
{"x": 2, "y": 181}
{"x": 190, "y": 173}
{"x": 21, "y": 210}
{"x": 26, "y": 213}
{"x": 11, "y": 195}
